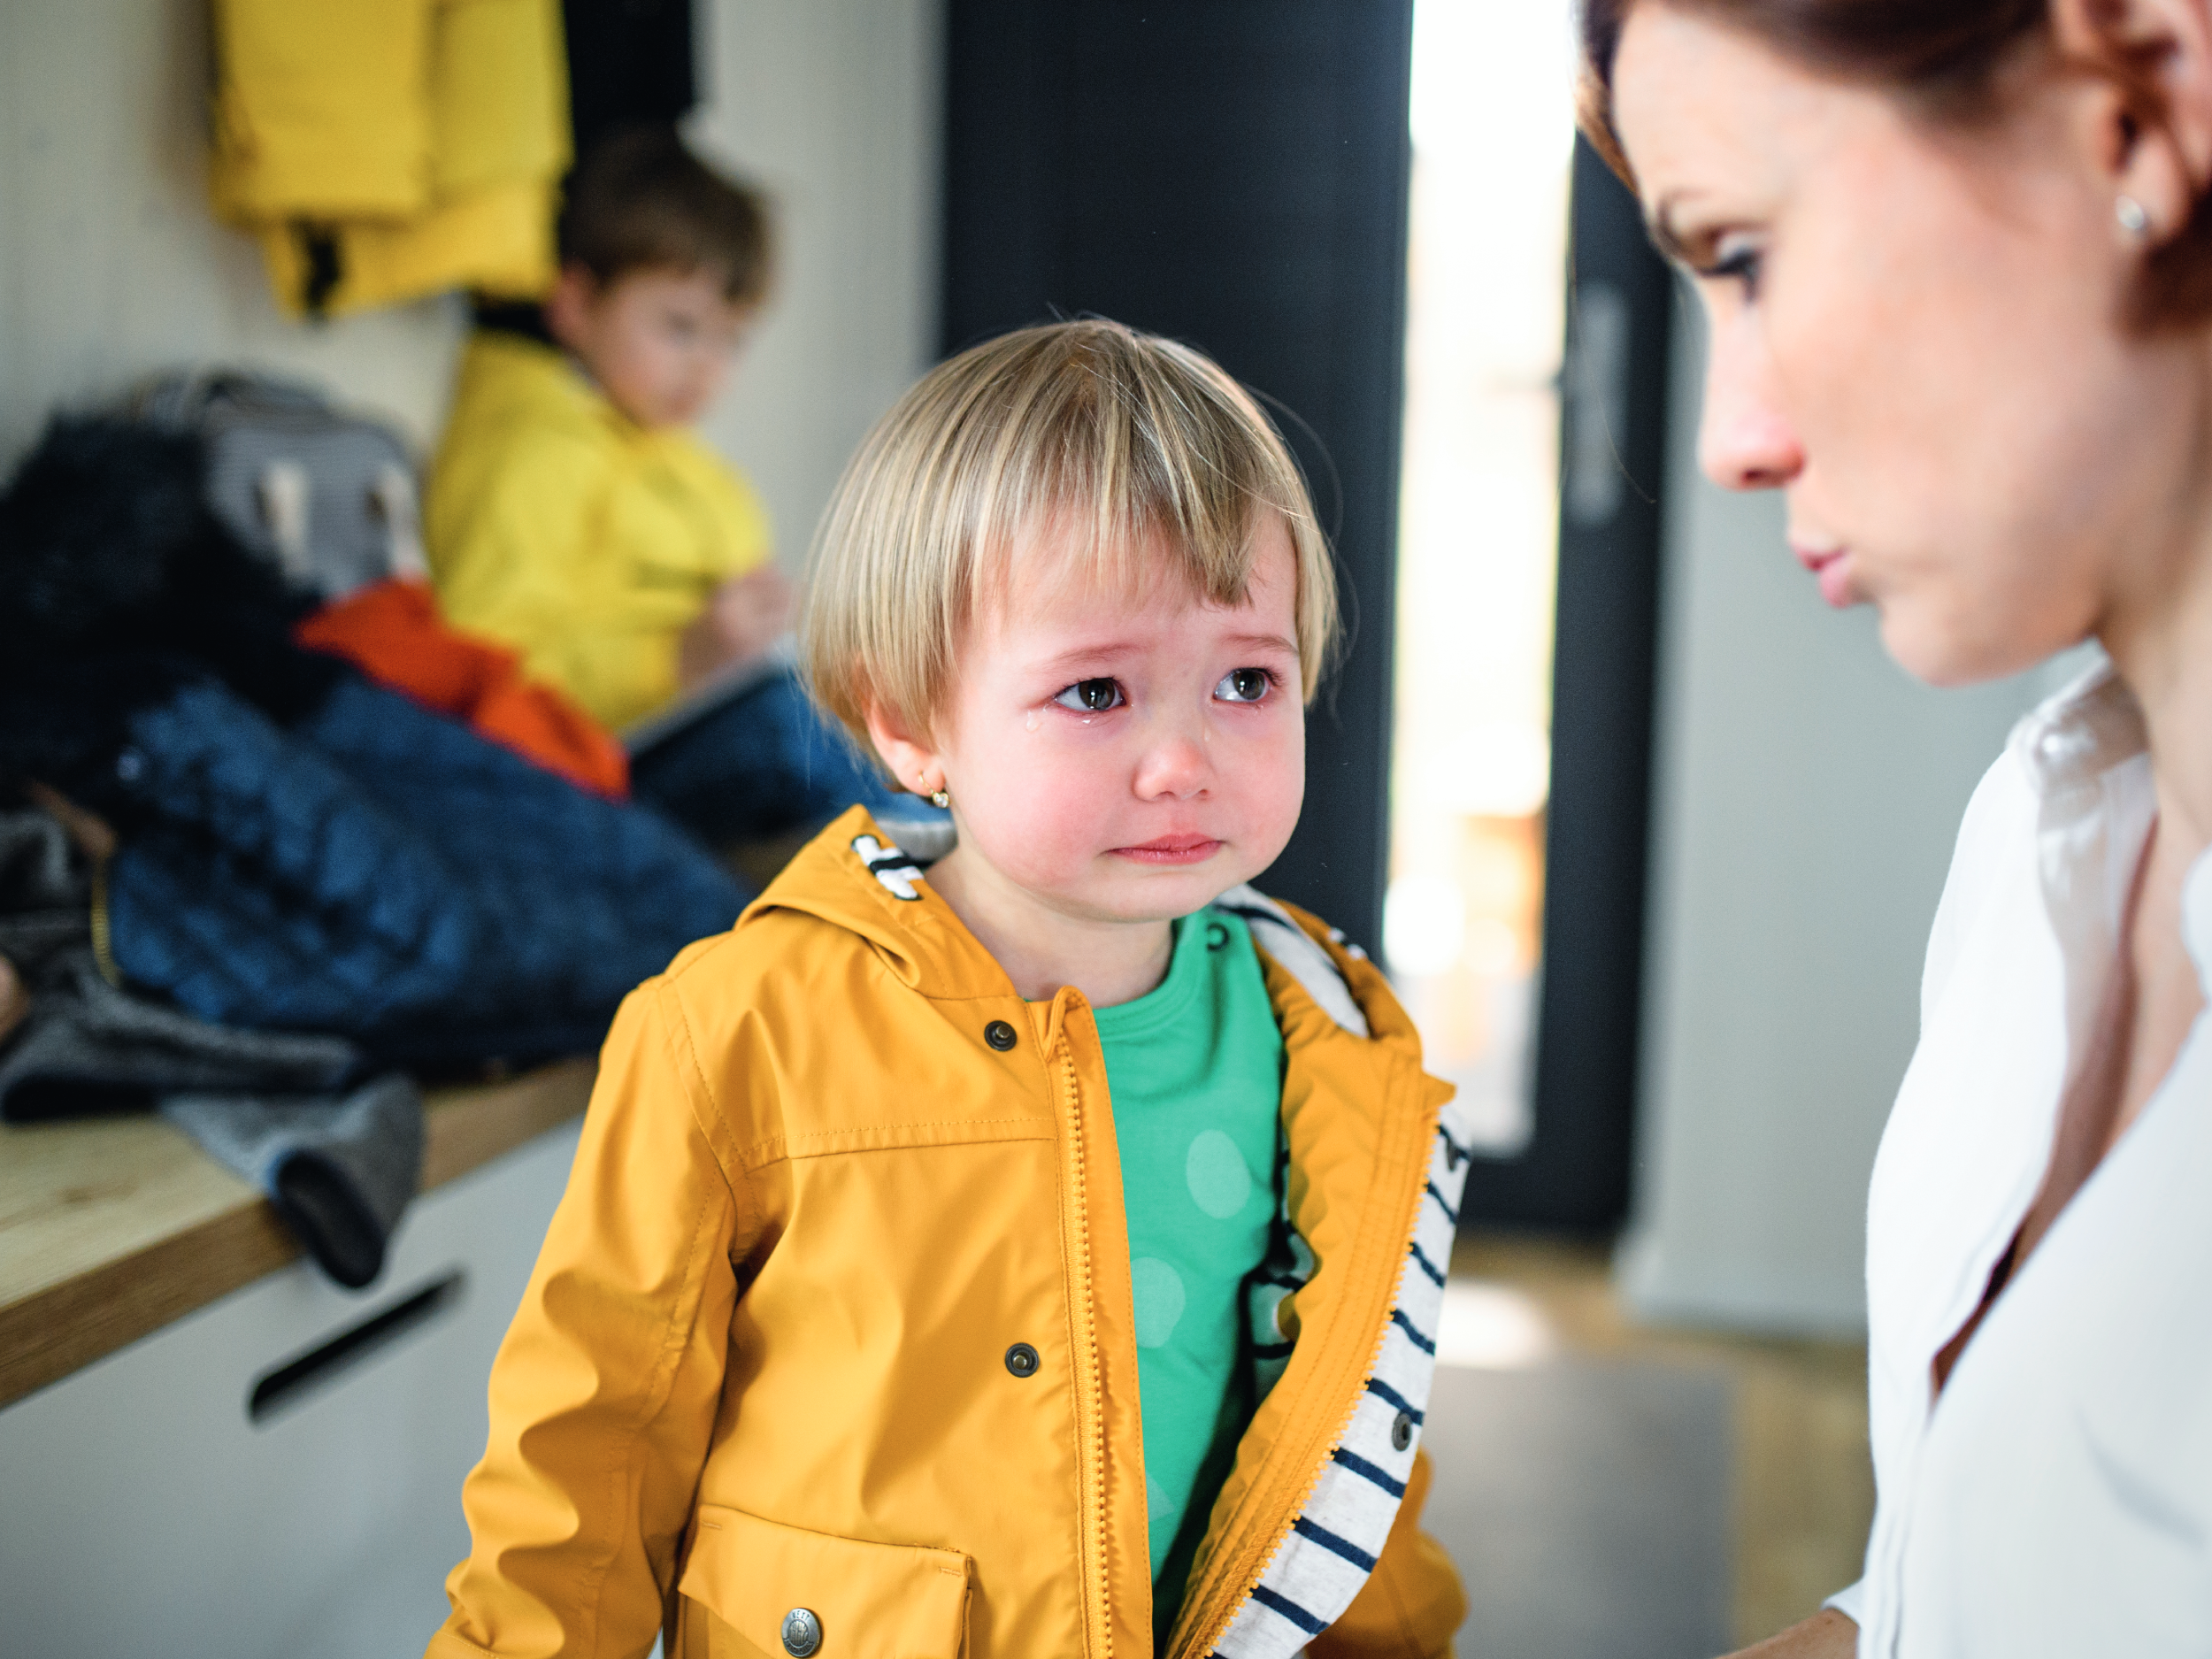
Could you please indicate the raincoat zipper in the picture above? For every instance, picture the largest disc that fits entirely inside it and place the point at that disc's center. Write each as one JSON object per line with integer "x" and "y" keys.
{"x": 1090, "y": 1415}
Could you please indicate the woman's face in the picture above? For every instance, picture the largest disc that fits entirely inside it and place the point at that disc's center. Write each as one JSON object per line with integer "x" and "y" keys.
{"x": 1915, "y": 335}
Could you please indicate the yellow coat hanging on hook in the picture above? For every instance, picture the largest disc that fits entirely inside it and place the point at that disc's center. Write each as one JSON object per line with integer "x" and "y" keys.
{"x": 384, "y": 149}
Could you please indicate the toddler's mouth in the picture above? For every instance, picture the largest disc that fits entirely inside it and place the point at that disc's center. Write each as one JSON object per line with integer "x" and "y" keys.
{"x": 1171, "y": 849}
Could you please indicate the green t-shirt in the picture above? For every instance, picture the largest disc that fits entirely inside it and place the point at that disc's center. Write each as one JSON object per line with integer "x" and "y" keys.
{"x": 1195, "y": 1067}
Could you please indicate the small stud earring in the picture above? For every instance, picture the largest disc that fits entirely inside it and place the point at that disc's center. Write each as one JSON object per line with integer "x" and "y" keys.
{"x": 2133, "y": 218}
{"x": 941, "y": 799}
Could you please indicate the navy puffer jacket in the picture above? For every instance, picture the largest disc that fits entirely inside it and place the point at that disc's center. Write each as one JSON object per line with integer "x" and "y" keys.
{"x": 377, "y": 871}
{"x": 300, "y": 850}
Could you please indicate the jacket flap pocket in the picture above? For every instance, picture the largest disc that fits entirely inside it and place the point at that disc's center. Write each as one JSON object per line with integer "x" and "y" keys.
{"x": 868, "y": 1601}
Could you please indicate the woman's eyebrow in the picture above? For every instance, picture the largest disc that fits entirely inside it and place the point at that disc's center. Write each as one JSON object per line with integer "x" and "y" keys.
{"x": 1670, "y": 241}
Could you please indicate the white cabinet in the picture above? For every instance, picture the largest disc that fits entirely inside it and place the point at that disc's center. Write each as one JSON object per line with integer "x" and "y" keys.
{"x": 143, "y": 1511}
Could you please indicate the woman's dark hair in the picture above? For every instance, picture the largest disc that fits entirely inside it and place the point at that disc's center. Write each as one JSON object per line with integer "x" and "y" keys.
{"x": 1948, "y": 49}
{"x": 1943, "y": 55}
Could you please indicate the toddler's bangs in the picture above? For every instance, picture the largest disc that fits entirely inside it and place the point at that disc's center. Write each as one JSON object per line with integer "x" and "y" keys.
{"x": 1138, "y": 458}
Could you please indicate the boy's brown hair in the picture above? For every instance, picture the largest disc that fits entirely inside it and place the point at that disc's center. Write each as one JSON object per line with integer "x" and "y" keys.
{"x": 639, "y": 200}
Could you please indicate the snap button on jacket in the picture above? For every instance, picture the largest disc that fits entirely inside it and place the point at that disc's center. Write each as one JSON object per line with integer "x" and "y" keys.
{"x": 764, "y": 1362}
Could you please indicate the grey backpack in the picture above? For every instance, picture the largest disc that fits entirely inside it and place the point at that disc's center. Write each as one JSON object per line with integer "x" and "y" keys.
{"x": 328, "y": 495}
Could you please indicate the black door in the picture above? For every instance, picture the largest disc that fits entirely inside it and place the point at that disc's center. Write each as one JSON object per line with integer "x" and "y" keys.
{"x": 1233, "y": 173}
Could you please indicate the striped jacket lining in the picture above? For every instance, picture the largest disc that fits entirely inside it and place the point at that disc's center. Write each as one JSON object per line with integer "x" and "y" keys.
{"x": 1337, "y": 1537}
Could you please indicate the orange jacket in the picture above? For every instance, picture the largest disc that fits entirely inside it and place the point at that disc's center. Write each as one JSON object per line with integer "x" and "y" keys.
{"x": 835, "y": 1315}
{"x": 392, "y": 631}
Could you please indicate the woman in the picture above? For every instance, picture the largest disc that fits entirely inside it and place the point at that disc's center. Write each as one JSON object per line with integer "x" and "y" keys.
{"x": 1957, "y": 256}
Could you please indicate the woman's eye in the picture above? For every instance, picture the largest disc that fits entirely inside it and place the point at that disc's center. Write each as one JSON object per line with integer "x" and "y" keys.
{"x": 1244, "y": 684}
{"x": 1092, "y": 697}
{"x": 1742, "y": 265}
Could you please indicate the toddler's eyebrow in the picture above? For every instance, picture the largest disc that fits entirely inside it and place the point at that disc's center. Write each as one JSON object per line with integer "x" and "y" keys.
{"x": 1105, "y": 651}
{"x": 1265, "y": 643}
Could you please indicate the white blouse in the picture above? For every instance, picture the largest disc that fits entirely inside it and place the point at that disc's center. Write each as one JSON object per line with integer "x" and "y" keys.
{"x": 2057, "y": 1500}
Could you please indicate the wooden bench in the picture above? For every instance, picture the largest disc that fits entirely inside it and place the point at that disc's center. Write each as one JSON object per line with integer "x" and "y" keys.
{"x": 111, "y": 1228}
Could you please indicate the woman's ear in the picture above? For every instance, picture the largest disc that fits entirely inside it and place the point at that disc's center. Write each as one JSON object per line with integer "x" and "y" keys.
{"x": 2153, "y": 123}
{"x": 913, "y": 760}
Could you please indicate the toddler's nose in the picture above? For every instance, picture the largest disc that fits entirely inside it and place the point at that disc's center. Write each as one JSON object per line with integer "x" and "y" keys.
{"x": 1176, "y": 767}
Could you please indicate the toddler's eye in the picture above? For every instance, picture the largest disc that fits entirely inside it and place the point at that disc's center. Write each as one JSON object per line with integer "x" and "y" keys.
{"x": 1244, "y": 684}
{"x": 1092, "y": 697}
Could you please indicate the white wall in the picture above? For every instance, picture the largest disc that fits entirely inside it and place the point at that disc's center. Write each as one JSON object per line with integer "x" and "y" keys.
{"x": 1808, "y": 795}
{"x": 831, "y": 104}
{"x": 111, "y": 266}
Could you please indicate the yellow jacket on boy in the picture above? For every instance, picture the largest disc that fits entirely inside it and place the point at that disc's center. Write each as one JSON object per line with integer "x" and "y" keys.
{"x": 559, "y": 525}
{"x": 831, "y": 1344}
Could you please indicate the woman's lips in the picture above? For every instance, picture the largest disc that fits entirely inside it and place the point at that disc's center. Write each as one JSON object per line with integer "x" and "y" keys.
{"x": 1831, "y": 569}
{"x": 1171, "y": 849}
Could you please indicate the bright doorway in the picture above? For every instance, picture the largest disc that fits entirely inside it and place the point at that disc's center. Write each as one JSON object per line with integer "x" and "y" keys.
{"x": 1492, "y": 121}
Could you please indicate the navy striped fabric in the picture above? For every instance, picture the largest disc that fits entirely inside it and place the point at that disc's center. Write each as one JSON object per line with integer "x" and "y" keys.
{"x": 1336, "y": 1539}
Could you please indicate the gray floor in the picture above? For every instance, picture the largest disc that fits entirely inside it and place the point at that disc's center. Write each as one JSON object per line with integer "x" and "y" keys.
{"x": 1587, "y": 1504}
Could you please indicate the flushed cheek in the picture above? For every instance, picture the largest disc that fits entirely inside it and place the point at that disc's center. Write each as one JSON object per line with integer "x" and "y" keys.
{"x": 1274, "y": 769}
{"x": 1041, "y": 825}
{"x": 1262, "y": 790}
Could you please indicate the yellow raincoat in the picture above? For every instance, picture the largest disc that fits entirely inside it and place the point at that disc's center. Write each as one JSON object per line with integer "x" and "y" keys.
{"x": 559, "y": 525}
{"x": 832, "y": 1336}
{"x": 386, "y": 150}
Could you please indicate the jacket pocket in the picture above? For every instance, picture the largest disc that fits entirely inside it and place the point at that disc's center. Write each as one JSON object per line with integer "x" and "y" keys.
{"x": 750, "y": 1576}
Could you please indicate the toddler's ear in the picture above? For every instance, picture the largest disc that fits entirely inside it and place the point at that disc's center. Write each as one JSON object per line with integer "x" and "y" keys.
{"x": 914, "y": 764}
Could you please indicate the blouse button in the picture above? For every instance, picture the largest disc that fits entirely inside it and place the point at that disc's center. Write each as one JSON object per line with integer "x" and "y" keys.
{"x": 1402, "y": 1431}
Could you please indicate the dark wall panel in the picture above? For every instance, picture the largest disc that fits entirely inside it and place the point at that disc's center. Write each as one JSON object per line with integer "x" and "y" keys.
{"x": 1231, "y": 172}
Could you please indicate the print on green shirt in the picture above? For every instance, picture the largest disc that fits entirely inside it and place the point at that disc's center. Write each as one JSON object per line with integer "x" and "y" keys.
{"x": 1195, "y": 1071}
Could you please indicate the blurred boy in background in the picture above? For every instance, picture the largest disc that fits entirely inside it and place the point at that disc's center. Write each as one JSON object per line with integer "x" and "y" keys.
{"x": 574, "y": 514}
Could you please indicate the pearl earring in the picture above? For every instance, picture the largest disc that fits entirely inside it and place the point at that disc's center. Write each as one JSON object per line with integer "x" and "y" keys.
{"x": 2134, "y": 219}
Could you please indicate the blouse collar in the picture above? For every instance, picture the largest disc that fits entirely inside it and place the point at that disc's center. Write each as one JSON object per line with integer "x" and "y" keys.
{"x": 2072, "y": 746}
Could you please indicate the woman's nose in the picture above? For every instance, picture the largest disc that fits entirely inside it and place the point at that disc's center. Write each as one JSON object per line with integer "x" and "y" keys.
{"x": 1745, "y": 442}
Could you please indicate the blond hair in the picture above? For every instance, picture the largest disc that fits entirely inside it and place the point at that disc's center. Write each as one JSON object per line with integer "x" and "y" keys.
{"x": 1145, "y": 448}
